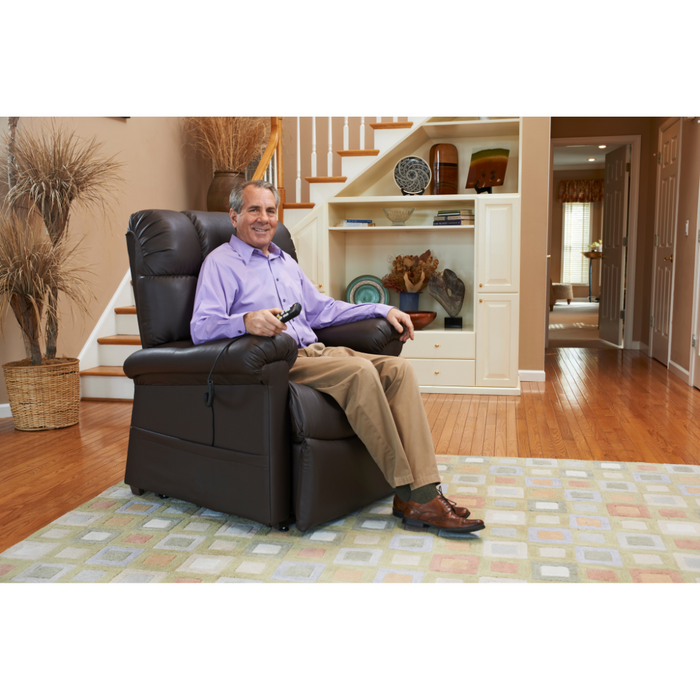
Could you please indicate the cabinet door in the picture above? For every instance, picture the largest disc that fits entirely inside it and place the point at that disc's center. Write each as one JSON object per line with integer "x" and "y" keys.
{"x": 498, "y": 244}
{"x": 497, "y": 318}
{"x": 309, "y": 244}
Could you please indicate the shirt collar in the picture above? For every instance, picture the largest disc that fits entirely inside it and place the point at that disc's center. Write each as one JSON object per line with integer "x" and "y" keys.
{"x": 246, "y": 251}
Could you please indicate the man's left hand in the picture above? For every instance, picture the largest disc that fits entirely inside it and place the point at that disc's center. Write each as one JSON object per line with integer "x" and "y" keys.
{"x": 402, "y": 322}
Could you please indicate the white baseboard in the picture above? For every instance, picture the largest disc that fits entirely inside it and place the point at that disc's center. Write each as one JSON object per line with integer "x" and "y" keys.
{"x": 5, "y": 410}
{"x": 679, "y": 371}
{"x": 531, "y": 375}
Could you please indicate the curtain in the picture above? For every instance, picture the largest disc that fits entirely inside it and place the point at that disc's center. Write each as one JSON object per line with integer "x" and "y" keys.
{"x": 581, "y": 190}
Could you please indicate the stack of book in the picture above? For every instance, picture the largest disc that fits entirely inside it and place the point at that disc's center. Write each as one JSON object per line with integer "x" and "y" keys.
{"x": 357, "y": 222}
{"x": 454, "y": 217}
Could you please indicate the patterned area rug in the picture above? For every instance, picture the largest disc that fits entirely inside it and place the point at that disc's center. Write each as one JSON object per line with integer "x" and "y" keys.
{"x": 546, "y": 520}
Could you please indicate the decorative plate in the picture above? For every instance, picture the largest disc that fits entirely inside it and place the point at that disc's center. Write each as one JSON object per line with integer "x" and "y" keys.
{"x": 366, "y": 290}
{"x": 412, "y": 175}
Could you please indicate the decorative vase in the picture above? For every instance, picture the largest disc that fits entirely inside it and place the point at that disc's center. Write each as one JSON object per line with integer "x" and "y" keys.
{"x": 46, "y": 396}
{"x": 220, "y": 190}
{"x": 444, "y": 165}
{"x": 408, "y": 301}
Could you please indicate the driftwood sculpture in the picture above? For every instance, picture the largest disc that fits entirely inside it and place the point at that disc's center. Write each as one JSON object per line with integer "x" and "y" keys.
{"x": 449, "y": 291}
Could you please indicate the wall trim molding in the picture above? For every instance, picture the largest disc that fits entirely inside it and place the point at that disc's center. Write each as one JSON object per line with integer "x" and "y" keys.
{"x": 531, "y": 375}
{"x": 5, "y": 411}
{"x": 679, "y": 371}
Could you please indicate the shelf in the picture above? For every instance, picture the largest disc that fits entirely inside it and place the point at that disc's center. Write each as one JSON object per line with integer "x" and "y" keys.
{"x": 472, "y": 129}
{"x": 398, "y": 228}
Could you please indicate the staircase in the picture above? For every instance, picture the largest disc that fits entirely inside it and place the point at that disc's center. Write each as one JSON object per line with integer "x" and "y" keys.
{"x": 116, "y": 335}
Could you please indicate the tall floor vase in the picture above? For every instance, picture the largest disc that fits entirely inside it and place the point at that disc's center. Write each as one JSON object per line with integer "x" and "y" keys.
{"x": 220, "y": 189}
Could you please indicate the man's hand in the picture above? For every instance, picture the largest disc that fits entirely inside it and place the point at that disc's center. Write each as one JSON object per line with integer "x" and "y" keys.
{"x": 402, "y": 322}
{"x": 264, "y": 322}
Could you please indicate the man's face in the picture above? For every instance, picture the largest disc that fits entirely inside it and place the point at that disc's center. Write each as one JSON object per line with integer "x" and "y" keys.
{"x": 257, "y": 222}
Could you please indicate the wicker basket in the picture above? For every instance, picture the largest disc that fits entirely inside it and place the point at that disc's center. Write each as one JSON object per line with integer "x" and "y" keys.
{"x": 44, "y": 397}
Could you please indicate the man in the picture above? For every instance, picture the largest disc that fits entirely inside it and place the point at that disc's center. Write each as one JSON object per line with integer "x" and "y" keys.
{"x": 242, "y": 287}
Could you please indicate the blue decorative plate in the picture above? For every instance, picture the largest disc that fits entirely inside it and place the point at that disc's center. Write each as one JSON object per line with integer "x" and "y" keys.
{"x": 366, "y": 290}
{"x": 412, "y": 175}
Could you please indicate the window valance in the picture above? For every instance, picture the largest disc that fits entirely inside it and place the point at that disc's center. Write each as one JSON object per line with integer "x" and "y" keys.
{"x": 581, "y": 190}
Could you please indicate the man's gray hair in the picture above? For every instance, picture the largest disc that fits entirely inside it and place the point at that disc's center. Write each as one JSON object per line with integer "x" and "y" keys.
{"x": 235, "y": 200}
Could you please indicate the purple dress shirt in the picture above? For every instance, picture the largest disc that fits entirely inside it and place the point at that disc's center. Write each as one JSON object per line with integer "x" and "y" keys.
{"x": 236, "y": 279}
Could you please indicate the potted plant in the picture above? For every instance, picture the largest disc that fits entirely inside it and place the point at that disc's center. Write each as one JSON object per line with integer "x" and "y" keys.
{"x": 232, "y": 143}
{"x": 47, "y": 172}
{"x": 409, "y": 275}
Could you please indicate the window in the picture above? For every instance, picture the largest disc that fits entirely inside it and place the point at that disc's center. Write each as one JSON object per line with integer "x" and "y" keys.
{"x": 577, "y": 236}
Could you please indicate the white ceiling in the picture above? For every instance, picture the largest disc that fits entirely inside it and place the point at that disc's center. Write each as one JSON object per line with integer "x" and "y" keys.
{"x": 576, "y": 157}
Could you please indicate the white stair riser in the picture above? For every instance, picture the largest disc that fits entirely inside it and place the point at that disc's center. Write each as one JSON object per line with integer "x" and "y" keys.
{"x": 115, "y": 355}
{"x": 293, "y": 216}
{"x": 127, "y": 324}
{"x": 354, "y": 165}
{"x": 107, "y": 387}
{"x": 384, "y": 139}
{"x": 321, "y": 191}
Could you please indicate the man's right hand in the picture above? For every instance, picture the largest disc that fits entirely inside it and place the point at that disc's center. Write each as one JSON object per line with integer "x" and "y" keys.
{"x": 264, "y": 322}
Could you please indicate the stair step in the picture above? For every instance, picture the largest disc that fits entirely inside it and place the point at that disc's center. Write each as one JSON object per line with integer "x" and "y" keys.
{"x": 353, "y": 154}
{"x": 125, "y": 310}
{"x": 299, "y": 205}
{"x": 334, "y": 178}
{"x": 391, "y": 125}
{"x": 120, "y": 340}
{"x": 107, "y": 371}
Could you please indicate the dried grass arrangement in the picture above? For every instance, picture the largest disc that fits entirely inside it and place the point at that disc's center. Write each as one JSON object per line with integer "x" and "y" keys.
{"x": 33, "y": 271}
{"x": 411, "y": 273}
{"x": 48, "y": 172}
{"x": 232, "y": 143}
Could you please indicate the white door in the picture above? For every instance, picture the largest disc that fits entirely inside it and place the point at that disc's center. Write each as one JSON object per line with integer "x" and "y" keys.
{"x": 612, "y": 289}
{"x": 664, "y": 239}
{"x": 497, "y": 318}
{"x": 498, "y": 244}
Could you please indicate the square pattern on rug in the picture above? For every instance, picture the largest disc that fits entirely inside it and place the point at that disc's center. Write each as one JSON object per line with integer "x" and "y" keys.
{"x": 546, "y": 520}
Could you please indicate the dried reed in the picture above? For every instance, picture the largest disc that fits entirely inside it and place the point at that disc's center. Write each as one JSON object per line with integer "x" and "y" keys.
{"x": 410, "y": 273}
{"x": 232, "y": 143}
{"x": 32, "y": 272}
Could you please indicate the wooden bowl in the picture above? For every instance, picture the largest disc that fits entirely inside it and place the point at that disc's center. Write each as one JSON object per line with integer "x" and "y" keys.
{"x": 421, "y": 319}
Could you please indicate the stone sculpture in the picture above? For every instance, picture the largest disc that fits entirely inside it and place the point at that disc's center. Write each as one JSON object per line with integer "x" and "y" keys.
{"x": 449, "y": 291}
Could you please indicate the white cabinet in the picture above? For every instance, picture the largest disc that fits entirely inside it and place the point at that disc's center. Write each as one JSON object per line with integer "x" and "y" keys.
{"x": 482, "y": 356}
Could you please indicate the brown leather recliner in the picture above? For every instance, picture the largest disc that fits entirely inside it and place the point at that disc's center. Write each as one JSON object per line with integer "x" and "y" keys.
{"x": 266, "y": 449}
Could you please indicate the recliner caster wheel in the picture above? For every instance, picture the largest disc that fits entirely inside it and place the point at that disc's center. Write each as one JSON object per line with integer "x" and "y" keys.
{"x": 161, "y": 495}
{"x": 282, "y": 528}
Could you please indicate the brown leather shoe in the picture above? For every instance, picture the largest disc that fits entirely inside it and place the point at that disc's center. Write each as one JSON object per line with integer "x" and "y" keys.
{"x": 439, "y": 513}
{"x": 400, "y": 508}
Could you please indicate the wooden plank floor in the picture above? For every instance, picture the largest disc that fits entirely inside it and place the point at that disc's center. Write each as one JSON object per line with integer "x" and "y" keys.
{"x": 594, "y": 405}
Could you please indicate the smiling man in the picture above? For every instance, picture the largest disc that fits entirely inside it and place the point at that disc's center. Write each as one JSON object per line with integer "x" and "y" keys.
{"x": 242, "y": 287}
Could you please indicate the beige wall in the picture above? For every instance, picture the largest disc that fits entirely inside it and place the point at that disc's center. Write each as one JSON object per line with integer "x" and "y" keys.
{"x": 160, "y": 171}
{"x": 534, "y": 286}
{"x": 568, "y": 127}
{"x": 557, "y": 227}
{"x": 684, "y": 257}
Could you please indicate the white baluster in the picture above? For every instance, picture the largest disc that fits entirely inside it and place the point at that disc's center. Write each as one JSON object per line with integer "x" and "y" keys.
{"x": 346, "y": 135}
{"x": 313, "y": 146}
{"x": 330, "y": 147}
{"x": 394, "y": 119}
{"x": 298, "y": 183}
{"x": 363, "y": 142}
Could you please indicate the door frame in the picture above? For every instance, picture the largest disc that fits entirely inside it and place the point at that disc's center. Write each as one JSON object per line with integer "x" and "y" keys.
{"x": 635, "y": 141}
{"x": 666, "y": 125}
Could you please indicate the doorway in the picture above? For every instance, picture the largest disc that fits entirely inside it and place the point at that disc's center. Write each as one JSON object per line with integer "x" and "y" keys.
{"x": 576, "y": 324}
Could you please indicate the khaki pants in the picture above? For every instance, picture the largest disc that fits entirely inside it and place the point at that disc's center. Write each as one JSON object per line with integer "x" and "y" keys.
{"x": 380, "y": 397}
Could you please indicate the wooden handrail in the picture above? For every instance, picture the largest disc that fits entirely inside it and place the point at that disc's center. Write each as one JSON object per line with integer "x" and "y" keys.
{"x": 274, "y": 145}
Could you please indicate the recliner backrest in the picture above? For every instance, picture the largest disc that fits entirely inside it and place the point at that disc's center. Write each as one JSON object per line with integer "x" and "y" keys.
{"x": 166, "y": 251}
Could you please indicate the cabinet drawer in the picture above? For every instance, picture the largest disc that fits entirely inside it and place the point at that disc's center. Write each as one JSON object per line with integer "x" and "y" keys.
{"x": 458, "y": 345}
{"x": 444, "y": 372}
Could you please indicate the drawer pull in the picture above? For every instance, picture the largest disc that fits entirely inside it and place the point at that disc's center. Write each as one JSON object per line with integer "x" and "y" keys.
{"x": 437, "y": 371}
{"x": 437, "y": 345}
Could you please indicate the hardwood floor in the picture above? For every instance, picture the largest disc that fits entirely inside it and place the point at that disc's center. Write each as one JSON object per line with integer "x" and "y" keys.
{"x": 595, "y": 404}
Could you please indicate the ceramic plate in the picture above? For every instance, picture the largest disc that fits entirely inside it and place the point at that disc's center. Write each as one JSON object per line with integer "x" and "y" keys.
{"x": 412, "y": 175}
{"x": 367, "y": 290}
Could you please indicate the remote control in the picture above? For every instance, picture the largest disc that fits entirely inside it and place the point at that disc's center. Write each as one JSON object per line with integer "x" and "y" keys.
{"x": 290, "y": 313}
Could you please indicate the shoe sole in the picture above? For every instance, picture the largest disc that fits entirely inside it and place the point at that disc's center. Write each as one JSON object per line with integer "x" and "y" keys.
{"x": 420, "y": 523}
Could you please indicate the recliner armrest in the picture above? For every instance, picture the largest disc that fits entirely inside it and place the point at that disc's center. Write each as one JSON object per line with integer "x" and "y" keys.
{"x": 372, "y": 335}
{"x": 183, "y": 363}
